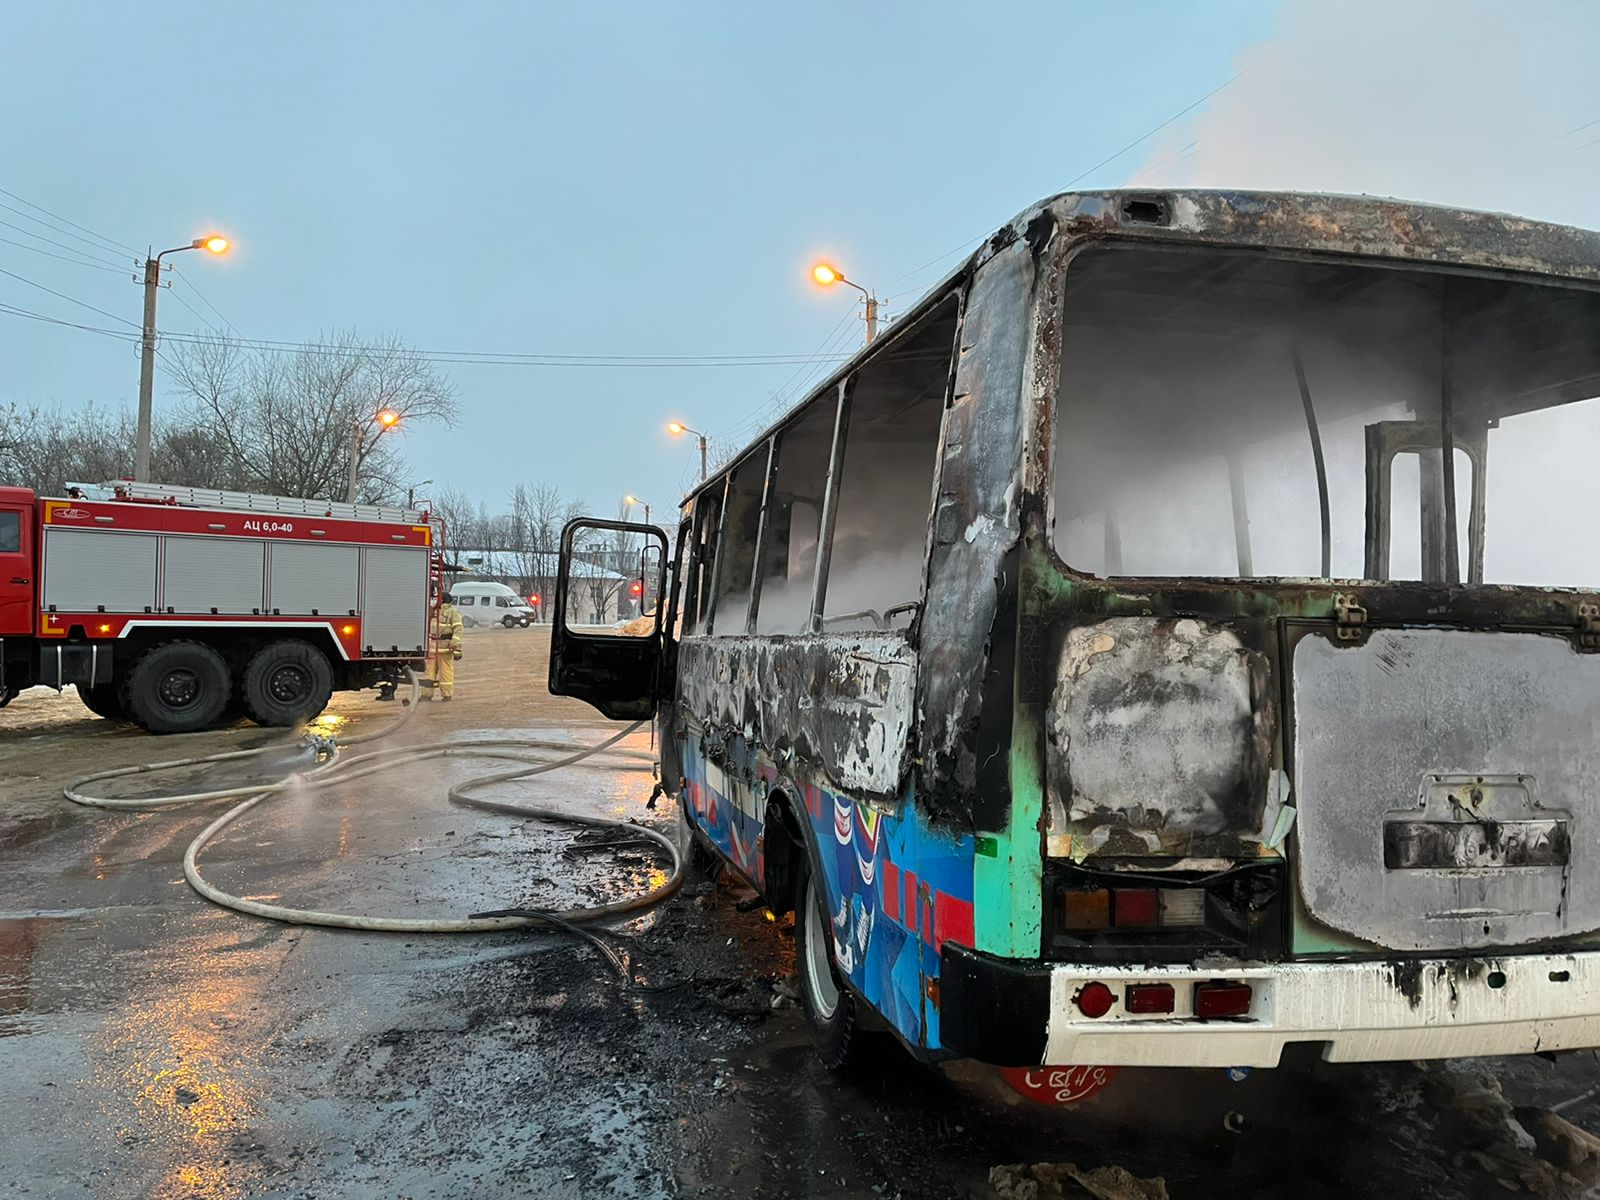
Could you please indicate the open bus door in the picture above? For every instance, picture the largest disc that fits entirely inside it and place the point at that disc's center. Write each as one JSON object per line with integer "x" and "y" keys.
{"x": 608, "y": 630}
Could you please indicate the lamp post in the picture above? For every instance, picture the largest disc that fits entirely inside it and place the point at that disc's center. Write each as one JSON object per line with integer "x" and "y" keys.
{"x": 828, "y": 275}
{"x": 677, "y": 427}
{"x": 215, "y": 244}
{"x": 385, "y": 419}
{"x": 639, "y": 578}
{"x": 411, "y": 492}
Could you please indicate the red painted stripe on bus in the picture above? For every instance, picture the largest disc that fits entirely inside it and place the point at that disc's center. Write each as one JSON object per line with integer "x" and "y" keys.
{"x": 891, "y": 890}
{"x": 952, "y": 920}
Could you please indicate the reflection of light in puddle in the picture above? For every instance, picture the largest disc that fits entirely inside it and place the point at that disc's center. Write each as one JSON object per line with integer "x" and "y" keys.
{"x": 170, "y": 1070}
{"x": 330, "y": 723}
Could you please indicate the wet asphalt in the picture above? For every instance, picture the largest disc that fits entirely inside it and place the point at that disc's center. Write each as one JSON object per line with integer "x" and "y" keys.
{"x": 152, "y": 1044}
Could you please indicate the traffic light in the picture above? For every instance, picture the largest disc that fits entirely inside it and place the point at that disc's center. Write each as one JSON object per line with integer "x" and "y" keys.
{"x": 636, "y": 588}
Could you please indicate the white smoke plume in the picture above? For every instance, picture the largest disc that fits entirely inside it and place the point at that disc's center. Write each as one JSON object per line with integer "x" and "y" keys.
{"x": 1461, "y": 102}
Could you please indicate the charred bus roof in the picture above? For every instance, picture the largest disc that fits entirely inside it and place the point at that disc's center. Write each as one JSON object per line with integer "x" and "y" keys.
{"x": 1304, "y": 222}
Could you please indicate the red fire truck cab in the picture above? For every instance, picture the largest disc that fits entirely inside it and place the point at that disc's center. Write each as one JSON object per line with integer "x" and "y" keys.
{"x": 181, "y": 609}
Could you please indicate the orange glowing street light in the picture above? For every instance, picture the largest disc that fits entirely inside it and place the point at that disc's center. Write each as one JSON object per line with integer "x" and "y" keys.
{"x": 215, "y": 243}
{"x": 678, "y": 427}
{"x": 826, "y": 275}
{"x": 385, "y": 419}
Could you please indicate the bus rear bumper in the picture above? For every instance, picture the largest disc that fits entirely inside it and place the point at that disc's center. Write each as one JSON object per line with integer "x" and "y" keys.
{"x": 1025, "y": 1013}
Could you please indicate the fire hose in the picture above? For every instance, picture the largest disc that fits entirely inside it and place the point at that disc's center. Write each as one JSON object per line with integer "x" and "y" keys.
{"x": 333, "y": 767}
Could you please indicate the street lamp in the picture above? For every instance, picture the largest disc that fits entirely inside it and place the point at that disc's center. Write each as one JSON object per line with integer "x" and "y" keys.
{"x": 213, "y": 243}
{"x": 385, "y": 419}
{"x": 677, "y": 427}
{"x": 411, "y": 491}
{"x": 826, "y": 274}
{"x": 645, "y": 504}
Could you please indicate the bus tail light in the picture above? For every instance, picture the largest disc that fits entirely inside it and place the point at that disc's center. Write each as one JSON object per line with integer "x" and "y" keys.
{"x": 1135, "y": 908}
{"x": 1183, "y": 907}
{"x": 1221, "y": 1000}
{"x": 1094, "y": 999}
{"x": 1087, "y": 909}
{"x": 1148, "y": 998}
{"x": 1093, "y": 909}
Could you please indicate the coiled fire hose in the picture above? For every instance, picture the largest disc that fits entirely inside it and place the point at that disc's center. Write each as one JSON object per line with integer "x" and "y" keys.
{"x": 333, "y": 767}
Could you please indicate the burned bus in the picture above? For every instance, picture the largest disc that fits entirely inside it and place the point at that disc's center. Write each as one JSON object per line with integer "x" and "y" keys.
{"x": 1177, "y": 638}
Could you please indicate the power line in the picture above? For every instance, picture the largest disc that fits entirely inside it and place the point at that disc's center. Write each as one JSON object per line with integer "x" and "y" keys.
{"x": 204, "y": 320}
{"x": 112, "y": 243}
{"x": 77, "y": 262}
{"x": 187, "y": 338}
{"x": 188, "y": 283}
{"x": 58, "y": 245}
{"x": 13, "y": 310}
{"x": 64, "y": 296}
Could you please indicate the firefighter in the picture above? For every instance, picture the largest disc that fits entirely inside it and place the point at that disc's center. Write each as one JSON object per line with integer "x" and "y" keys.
{"x": 450, "y": 633}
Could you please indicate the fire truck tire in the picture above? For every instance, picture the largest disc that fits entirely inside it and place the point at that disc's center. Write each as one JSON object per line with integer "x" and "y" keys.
{"x": 177, "y": 687}
{"x": 286, "y": 682}
{"x": 104, "y": 701}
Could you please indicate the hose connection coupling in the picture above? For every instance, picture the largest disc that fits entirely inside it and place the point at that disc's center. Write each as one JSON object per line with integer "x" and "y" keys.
{"x": 322, "y": 745}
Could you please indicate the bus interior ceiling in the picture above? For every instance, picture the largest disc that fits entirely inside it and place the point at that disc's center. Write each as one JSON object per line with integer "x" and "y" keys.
{"x": 1186, "y": 444}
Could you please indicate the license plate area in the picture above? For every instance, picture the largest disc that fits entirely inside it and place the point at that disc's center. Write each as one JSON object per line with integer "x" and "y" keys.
{"x": 1475, "y": 823}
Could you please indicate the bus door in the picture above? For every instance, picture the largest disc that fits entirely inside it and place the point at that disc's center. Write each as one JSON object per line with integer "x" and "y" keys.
{"x": 608, "y": 630}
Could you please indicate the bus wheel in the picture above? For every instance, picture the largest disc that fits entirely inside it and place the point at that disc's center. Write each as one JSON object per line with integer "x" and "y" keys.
{"x": 286, "y": 682}
{"x": 103, "y": 700}
{"x": 177, "y": 687}
{"x": 829, "y": 1006}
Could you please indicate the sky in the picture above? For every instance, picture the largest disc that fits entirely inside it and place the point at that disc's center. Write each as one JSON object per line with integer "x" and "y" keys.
{"x": 655, "y": 180}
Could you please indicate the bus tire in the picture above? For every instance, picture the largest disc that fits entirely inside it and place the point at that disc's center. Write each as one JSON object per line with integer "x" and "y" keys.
{"x": 177, "y": 687}
{"x": 103, "y": 700}
{"x": 829, "y": 1005}
{"x": 285, "y": 683}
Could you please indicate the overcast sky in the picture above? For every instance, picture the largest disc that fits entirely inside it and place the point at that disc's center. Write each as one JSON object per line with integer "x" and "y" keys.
{"x": 655, "y": 179}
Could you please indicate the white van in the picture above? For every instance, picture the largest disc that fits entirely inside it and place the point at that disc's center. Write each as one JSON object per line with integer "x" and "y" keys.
{"x": 490, "y": 604}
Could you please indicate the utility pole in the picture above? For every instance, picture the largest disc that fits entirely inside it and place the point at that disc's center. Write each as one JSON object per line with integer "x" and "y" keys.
{"x": 216, "y": 244}
{"x": 385, "y": 419}
{"x": 147, "y": 370}
{"x": 676, "y": 427}
{"x": 355, "y": 462}
{"x": 828, "y": 275}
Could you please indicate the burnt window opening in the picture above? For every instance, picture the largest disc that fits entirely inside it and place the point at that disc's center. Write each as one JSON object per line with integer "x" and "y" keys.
{"x": 702, "y": 555}
{"x": 876, "y": 562}
{"x": 794, "y": 520}
{"x": 736, "y": 548}
{"x": 1233, "y": 414}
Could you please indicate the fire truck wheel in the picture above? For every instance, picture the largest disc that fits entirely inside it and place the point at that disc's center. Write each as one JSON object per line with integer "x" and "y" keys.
{"x": 104, "y": 701}
{"x": 177, "y": 687}
{"x": 829, "y": 1005}
{"x": 286, "y": 682}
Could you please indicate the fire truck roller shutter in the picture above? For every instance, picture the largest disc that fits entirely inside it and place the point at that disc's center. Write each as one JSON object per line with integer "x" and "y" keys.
{"x": 85, "y": 569}
{"x": 226, "y": 574}
{"x": 313, "y": 579}
{"x": 394, "y": 598}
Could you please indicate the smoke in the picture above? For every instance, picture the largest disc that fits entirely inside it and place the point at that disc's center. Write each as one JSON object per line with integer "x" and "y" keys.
{"x": 1460, "y": 102}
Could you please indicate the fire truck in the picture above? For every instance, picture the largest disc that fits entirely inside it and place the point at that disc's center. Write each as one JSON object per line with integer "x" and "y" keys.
{"x": 182, "y": 609}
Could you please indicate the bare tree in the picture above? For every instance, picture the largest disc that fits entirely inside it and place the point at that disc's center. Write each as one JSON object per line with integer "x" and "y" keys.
{"x": 290, "y": 422}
